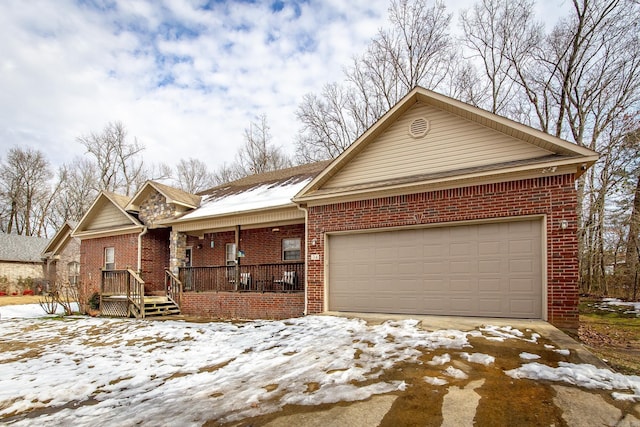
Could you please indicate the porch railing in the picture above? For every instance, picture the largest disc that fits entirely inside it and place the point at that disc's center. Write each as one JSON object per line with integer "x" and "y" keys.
{"x": 251, "y": 278}
{"x": 174, "y": 287}
{"x": 118, "y": 283}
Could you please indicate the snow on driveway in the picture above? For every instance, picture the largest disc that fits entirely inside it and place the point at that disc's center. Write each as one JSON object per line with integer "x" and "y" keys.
{"x": 123, "y": 372}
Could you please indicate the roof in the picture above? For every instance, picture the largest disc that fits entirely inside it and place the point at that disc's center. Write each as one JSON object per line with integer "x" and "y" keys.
{"x": 561, "y": 152}
{"x": 21, "y": 248}
{"x": 129, "y": 223}
{"x": 60, "y": 240}
{"x": 173, "y": 195}
{"x": 255, "y": 192}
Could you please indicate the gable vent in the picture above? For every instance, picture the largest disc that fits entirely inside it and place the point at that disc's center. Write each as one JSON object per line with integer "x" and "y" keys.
{"x": 419, "y": 127}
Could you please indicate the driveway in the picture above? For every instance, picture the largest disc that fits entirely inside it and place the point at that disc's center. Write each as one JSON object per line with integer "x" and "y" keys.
{"x": 317, "y": 370}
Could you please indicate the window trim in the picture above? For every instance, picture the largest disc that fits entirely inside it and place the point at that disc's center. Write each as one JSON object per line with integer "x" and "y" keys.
{"x": 227, "y": 260}
{"x": 298, "y": 250}
{"x": 107, "y": 250}
{"x": 73, "y": 273}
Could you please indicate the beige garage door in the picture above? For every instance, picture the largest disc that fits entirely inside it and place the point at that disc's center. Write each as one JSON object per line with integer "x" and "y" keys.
{"x": 492, "y": 270}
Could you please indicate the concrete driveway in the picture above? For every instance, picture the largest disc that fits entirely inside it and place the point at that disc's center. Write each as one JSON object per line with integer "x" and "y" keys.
{"x": 482, "y": 395}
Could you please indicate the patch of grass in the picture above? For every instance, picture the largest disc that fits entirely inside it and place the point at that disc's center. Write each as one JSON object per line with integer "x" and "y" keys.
{"x": 612, "y": 333}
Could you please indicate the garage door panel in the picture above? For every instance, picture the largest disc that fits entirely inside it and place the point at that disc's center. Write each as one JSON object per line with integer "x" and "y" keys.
{"x": 476, "y": 270}
{"x": 521, "y": 266}
{"x": 489, "y": 285}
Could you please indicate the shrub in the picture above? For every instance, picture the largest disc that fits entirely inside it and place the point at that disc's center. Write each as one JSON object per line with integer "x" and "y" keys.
{"x": 94, "y": 301}
{"x": 27, "y": 292}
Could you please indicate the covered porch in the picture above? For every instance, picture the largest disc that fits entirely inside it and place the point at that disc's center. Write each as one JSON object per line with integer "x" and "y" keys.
{"x": 279, "y": 277}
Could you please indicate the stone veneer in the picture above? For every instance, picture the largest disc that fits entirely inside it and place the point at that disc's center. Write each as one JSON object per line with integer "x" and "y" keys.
{"x": 154, "y": 208}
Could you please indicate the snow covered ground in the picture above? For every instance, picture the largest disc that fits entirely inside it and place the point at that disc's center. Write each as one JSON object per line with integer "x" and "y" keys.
{"x": 607, "y": 303}
{"x": 89, "y": 371}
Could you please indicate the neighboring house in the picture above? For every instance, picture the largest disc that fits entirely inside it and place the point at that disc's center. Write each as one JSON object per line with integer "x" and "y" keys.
{"x": 438, "y": 208}
{"x": 21, "y": 267}
{"x": 62, "y": 257}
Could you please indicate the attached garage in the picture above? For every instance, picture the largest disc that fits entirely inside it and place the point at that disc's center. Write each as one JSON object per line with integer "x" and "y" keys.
{"x": 444, "y": 208}
{"x": 491, "y": 269}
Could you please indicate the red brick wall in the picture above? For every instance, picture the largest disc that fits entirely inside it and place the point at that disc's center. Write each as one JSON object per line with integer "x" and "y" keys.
{"x": 554, "y": 196}
{"x": 92, "y": 258}
{"x": 236, "y": 305}
{"x": 260, "y": 245}
{"x": 155, "y": 259}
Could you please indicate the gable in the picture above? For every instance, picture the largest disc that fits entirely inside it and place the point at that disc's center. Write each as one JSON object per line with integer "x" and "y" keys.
{"x": 106, "y": 217}
{"x": 451, "y": 143}
{"x": 464, "y": 145}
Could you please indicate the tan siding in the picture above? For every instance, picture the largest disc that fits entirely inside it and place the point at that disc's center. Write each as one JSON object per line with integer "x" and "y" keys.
{"x": 108, "y": 216}
{"x": 451, "y": 144}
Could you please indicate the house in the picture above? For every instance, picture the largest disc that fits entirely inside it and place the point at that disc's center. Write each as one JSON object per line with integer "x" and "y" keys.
{"x": 21, "y": 267}
{"x": 61, "y": 257}
{"x": 438, "y": 208}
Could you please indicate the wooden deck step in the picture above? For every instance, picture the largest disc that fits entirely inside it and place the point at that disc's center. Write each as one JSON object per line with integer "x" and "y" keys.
{"x": 159, "y": 306}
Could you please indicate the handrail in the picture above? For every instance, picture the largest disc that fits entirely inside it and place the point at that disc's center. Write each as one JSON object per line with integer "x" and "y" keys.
{"x": 135, "y": 293}
{"x": 275, "y": 277}
{"x": 173, "y": 287}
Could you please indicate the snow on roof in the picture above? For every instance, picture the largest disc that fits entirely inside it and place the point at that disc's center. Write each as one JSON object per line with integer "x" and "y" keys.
{"x": 268, "y": 195}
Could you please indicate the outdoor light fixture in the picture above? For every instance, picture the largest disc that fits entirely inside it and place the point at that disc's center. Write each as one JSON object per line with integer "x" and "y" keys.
{"x": 212, "y": 244}
{"x": 564, "y": 224}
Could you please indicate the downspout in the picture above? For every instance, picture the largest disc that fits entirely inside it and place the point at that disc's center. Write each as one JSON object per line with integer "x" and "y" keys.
{"x": 306, "y": 257}
{"x": 144, "y": 231}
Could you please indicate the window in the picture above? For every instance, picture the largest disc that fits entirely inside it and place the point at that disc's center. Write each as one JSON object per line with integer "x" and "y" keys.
{"x": 109, "y": 258}
{"x": 291, "y": 249}
{"x": 188, "y": 253}
{"x": 74, "y": 273}
{"x": 231, "y": 253}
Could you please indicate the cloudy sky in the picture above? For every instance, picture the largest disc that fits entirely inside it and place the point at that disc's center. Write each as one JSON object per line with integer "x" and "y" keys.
{"x": 185, "y": 77}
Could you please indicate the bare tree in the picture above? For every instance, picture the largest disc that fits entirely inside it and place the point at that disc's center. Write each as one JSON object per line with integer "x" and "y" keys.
{"x": 257, "y": 154}
{"x": 414, "y": 50}
{"x": 499, "y": 33}
{"x": 24, "y": 188}
{"x": 117, "y": 163}
{"x": 192, "y": 175}
{"x": 79, "y": 186}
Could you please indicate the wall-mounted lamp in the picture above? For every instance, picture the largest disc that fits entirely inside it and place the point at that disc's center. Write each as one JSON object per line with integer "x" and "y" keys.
{"x": 313, "y": 242}
{"x": 212, "y": 244}
{"x": 564, "y": 224}
{"x": 199, "y": 246}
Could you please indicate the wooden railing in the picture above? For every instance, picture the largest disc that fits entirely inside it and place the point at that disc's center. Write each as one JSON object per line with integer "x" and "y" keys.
{"x": 287, "y": 277}
{"x": 127, "y": 283}
{"x": 173, "y": 286}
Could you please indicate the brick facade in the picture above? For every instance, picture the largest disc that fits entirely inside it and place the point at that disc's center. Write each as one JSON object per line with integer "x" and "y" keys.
{"x": 239, "y": 305}
{"x": 92, "y": 258}
{"x": 155, "y": 259}
{"x": 553, "y": 196}
{"x": 260, "y": 245}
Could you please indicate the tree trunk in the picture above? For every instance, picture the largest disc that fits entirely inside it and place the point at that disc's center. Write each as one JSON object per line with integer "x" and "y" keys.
{"x": 631, "y": 258}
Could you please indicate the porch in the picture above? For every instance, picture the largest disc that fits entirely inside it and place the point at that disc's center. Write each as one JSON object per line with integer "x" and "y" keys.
{"x": 122, "y": 294}
{"x": 278, "y": 277}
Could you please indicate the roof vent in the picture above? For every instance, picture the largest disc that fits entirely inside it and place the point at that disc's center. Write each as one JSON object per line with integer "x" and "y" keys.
{"x": 419, "y": 127}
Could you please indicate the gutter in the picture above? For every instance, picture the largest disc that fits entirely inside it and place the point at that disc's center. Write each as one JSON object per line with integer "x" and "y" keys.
{"x": 142, "y": 233}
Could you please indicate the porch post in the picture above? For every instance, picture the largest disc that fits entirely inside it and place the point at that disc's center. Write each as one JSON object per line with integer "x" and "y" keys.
{"x": 177, "y": 251}
{"x": 237, "y": 258}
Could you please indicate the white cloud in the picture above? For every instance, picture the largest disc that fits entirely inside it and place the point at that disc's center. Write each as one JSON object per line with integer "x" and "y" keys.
{"x": 185, "y": 77}
{"x": 184, "y": 80}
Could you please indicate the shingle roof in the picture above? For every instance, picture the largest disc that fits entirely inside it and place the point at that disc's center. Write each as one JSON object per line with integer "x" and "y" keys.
{"x": 294, "y": 174}
{"x": 21, "y": 248}
{"x": 178, "y": 195}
